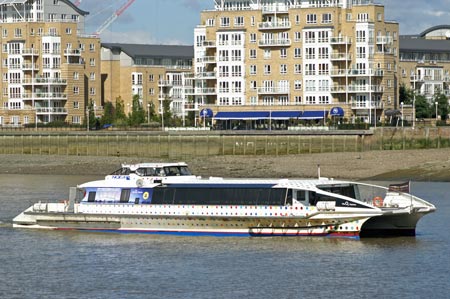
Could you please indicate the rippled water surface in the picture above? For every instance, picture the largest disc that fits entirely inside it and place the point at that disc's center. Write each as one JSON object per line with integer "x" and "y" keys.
{"x": 50, "y": 264}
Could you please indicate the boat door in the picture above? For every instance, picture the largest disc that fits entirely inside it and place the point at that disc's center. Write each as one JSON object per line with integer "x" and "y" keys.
{"x": 303, "y": 197}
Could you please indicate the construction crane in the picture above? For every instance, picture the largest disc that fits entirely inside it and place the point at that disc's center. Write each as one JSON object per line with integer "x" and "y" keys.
{"x": 112, "y": 18}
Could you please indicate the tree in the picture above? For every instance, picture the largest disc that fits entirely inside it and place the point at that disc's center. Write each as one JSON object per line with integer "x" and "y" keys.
{"x": 423, "y": 109}
{"x": 166, "y": 113}
{"x": 120, "y": 117}
{"x": 406, "y": 95}
{"x": 108, "y": 114}
{"x": 137, "y": 115}
{"x": 443, "y": 108}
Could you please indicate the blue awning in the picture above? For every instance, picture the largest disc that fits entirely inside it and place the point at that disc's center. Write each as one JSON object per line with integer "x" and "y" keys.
{"x": 337, "y": 111}
{"x": 206, "y": 113}
{"x": 313, "y": 115}
{"x": 242, "y": 115}
{"x": 285, "y": 115}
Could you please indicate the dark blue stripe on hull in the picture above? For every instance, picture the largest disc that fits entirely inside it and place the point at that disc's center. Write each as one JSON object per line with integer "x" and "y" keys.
{"x": 214, "y": 234}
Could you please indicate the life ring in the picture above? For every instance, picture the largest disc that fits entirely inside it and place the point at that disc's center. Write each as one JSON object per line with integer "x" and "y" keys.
{"x": 377, "y": 201}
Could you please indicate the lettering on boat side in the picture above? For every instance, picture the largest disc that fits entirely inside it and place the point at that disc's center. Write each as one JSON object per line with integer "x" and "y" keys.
{"x": 121, "y": 177}
{"x": 348, "y": 204}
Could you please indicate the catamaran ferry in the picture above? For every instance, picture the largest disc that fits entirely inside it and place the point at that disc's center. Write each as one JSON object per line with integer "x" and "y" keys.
{"x": 166, "y": 198}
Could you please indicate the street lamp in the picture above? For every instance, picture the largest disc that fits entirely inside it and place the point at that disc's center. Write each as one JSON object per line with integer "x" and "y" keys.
{"x": 401, "y": 104}
{"x": 436, "y": 110}
{"x": 148, "y": 113}
{"x": 87, "y": 118}
{"x": 36, "y": 118}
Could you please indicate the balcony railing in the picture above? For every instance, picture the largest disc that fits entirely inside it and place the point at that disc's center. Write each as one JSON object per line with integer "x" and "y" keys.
{"x": 51, "y": 95}
{"x": 275, "y": 42}
{"x": 273, "y": 90}
{"x": 43, "y": 81}
{"x": 274, "y": 25}
{"x": 201, "y": 91}
{"x": 51, "y": 110}
{"x": 340, "y": 56}
{"x": 384, "y": 39}
{"x": 340, "y": 40}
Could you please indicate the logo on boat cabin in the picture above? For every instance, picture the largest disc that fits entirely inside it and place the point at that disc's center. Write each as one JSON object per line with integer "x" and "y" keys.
{"x": 145, "y": 195}
{"x": 121, "y": 177}
{"x": 349, "y": 204}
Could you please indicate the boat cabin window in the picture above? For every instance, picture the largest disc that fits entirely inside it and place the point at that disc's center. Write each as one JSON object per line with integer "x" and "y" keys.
{"x": 176, "y": 171}
{"x": 146, "y": 171}
{"x": 125, "y": 195}
{"x": 91, "y": 196}
{"x": 219, "y": 196}
{"x": 122, "y": 171}
{"x": 345, "y": 190}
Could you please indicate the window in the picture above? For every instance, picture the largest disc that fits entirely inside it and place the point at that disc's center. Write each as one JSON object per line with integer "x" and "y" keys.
{"x": 17, "y": 32}
{"x": 151, "y": 78}
{"x": 253, "y": 70}
{"x": 298, "y": 100}
{"x": 297, "y": 19}
{"x": 92, "y": 62}
{"x": 239, "y": 21}
{"x": 5, "y": 32}
{"x": 92, "y": 76}
{"x": 92, "y": 91}
{"x": 297, "y": 53}
{"x": 311, "y": 19}
{"x": 283, "y": 69}
{"x": 283, "y": 53}
{"x": 225, "y": 22}
{"x": 297, "y": 85}
{"x": 297, "y": 36}
{"x": 76, "y": 105}
{"x": 326, "y": 18}
{"x": 267, "y": 54}
{"x": 76, "y": 119}
{"x": 252, "y": 54}
{"x": 298, "y": 69}
{"x": 76, "y": 90}
{"x": 210, "y": 22}
{"x": 68, "y": 30}
{"x": 253, "y": 38}
{"x": 76, "y": 75}
{"x": 267, "y": 69}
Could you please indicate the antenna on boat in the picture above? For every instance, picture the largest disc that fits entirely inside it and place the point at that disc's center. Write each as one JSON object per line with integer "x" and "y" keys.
{"x": 318, "y": 170}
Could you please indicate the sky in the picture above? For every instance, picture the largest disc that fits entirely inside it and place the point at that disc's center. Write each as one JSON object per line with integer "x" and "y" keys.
{"x": 173, "y": 21}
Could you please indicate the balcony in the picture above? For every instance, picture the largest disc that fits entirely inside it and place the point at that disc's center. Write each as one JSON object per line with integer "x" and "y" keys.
{"x": 273, "y": 90}
{"x": 44, "y": 81}
{"x": 340, "y": 40}
{"x": 201, "y": 91}
{"x": 275, "y": 43}
{"x": 41, "y": 96}
{"x": 366, "y": 104}
{"x": 193, "y": 106}
{"x": 30, "y": 52}
{"x": 72, "y": 52}
{"x": 30, "y": 67}
{"x": 164, "y": 83}
{"x": 271, "y": 9}
{"x": 357, "y": 89}
{"x": 209, "y": 44}
{"x": 274, "y": 25}
{"x": 384, "y": 40}
{"x": 340, "y": 56}
{"x": 51, "y": 110}
{"x": 207, "y": 59}
{"x": 206, "y": 75}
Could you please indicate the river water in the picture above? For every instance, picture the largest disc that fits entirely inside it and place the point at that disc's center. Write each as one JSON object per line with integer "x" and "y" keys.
{"x": 53, "y": 264}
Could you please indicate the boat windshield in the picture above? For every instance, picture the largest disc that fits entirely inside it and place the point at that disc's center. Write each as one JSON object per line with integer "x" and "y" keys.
{"x": 122, "y": 171}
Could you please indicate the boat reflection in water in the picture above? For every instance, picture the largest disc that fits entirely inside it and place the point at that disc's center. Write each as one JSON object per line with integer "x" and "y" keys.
{"x": 166, "y": 198}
